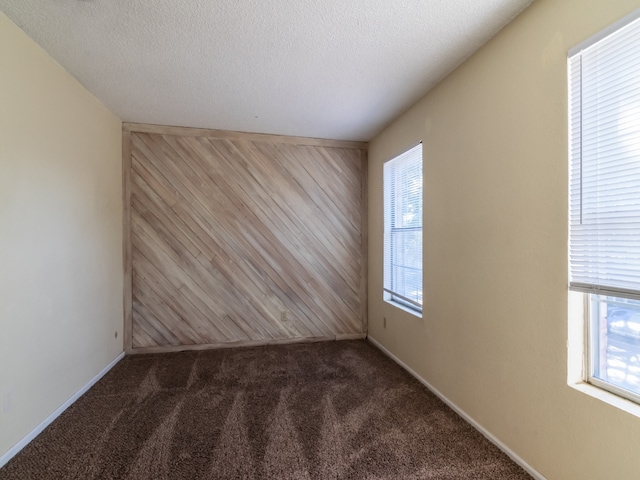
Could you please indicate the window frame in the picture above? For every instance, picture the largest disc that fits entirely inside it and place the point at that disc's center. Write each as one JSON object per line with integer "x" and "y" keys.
{"x": 389, "y": 295}
{"x": 593, "y": 294}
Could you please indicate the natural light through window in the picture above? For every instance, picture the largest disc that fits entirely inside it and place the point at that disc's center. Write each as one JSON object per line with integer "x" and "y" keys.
{"x": 604, "y": 240}
{"x": 403, "y": 229}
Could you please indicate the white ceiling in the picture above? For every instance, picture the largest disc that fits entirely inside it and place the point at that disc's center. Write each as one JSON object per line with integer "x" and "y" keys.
{"x": 339, "y": 69}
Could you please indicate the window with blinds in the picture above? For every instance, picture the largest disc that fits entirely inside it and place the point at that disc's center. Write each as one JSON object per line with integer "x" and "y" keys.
{"x": 604, "y": 203}
{"x": 403, "y": 229}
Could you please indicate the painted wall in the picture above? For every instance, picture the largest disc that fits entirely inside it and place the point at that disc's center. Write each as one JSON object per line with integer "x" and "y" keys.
{"x": 493, "y": 339}
{"x": 60, "y": 235}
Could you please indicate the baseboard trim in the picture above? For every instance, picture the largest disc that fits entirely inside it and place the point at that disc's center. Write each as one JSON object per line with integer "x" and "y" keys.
{"x": 47, "y": 421}
{"x": 529, "y": 469}
{"x": 243, "y": 343}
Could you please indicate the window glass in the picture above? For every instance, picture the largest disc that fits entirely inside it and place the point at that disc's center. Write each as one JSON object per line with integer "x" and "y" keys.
{"x": 615, "y": 333}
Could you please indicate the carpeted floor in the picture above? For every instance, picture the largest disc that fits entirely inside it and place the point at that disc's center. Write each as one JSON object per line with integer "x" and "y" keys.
{"x": 334, "y": 410}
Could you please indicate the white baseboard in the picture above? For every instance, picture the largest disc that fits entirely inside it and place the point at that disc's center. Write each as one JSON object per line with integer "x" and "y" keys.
{"x": 530, "y": 470}
{"x": 47, "y": 421}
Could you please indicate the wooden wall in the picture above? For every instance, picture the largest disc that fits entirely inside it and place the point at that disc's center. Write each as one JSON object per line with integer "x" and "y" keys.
{"x": 240, "y": 239}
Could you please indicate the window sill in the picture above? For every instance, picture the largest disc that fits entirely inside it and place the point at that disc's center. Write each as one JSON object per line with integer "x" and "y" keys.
{"x": 411, "y": 311}
{"x": 608, "y": 397}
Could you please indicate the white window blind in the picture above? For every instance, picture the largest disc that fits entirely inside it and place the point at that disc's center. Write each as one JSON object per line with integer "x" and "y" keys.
{"x": 604, "y": 120}
{"x": 403, "y": 228}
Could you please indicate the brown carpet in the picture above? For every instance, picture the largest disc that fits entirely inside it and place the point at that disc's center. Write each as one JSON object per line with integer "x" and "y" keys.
{"x": 334, "y": 410}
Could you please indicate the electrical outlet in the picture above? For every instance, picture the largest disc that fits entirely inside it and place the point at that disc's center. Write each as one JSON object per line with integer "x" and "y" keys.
{"x": 283, "y": 316}
{"x": 384, "y": 322}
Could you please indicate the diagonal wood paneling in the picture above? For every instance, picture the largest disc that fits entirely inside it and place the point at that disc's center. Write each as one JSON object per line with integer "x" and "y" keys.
{"x": 244, "y": 239}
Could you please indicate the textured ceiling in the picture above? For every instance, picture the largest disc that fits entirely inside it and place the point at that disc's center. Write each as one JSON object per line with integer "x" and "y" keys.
{"x": 320, "y": 68}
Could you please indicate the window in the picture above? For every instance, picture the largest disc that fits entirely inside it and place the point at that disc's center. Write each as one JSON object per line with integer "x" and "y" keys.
{"x": 403, "y": 229}
{"x": 604, "y": 230}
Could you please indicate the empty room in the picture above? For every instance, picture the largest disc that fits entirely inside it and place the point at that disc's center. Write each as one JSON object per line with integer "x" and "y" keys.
{"x": 320, "y": 239}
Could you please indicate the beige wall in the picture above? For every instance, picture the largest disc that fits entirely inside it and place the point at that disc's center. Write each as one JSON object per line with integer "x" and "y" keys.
{"x": 60, "y": 235}
{"x": 493, "y": 338}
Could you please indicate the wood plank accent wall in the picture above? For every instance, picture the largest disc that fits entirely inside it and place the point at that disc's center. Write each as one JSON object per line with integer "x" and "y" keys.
{"x": 242, "y": 239}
